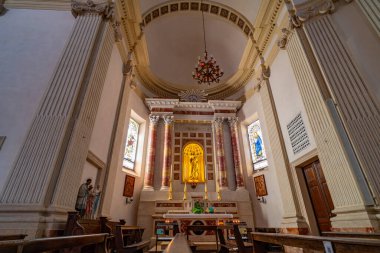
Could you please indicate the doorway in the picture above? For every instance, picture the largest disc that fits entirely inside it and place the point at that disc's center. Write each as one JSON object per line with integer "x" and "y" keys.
{"x": 319, "y": 195}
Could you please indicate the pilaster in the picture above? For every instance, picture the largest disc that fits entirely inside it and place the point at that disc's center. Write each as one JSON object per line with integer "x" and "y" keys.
{"x": 232, "y": 122}
{"x": 108, "y": 175}
{"x": 219, "y": 142}
{"x": 292, "y": 217}
{"x": 349, "y": 194}
{"x": 371, "y": 9}
{"x": 47, "y": 172}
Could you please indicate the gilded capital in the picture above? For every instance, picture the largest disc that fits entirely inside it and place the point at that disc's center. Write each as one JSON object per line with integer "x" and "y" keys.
{"x": 218, "y": 121}
{"x": 105, "y": 8}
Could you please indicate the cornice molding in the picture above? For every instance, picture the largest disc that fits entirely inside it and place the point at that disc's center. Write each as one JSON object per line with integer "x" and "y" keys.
{"x": 174, "y": 104}
{"x": 95, "y": 160}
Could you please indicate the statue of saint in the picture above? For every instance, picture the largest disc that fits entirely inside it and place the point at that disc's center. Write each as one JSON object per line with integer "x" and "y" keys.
{"x": 83, "y": 192}
{"x": 194, "y": 171}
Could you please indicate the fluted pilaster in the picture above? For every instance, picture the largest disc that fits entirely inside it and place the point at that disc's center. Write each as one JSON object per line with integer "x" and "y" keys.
{"x": 331, "y": 153}
{"x": 166, "y": 168}
{"x": 151, "y": 155}
{"x": 219, "y": 143}
{"x": 371, "y": 8}
{"x": 232, "y": 121}
{"x": 49, "y": 166}
{"x": 358, "y": 110}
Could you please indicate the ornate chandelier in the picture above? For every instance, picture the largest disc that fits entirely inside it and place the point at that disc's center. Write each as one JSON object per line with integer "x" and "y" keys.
{"x": 206, "y": 70}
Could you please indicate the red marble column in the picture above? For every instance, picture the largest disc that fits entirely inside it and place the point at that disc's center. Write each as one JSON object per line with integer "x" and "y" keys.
{"x": 219, "y": 143}
{"x": 151, "y": 156}
{"x": 232, "y": 121}
{"x": 167, "y": 152}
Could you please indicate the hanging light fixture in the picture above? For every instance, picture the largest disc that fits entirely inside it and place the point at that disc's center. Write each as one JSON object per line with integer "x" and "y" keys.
{"x": 206, "y": 70}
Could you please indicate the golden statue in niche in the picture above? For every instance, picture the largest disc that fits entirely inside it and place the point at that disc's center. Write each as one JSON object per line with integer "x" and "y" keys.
{"x": 193, "y": 169}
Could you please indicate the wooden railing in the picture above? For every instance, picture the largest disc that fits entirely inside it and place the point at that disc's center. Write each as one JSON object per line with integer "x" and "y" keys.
{"x": 67, "y": 243}
{"x": 339, "y": 244}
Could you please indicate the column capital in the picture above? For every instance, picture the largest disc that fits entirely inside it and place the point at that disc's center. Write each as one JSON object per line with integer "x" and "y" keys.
{"x": 105, "y": 8}
{"x": 168, "y": 119}
{"x": 154, "y": 119}
{"x": 232, "y": 121}
{"x": 218, "y": 120}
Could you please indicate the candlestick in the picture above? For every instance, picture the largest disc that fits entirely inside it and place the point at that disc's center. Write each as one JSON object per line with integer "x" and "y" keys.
{"x": 185, "y": 192}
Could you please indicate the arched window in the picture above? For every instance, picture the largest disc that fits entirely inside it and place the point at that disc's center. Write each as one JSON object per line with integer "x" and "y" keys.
{"x": 131, "y": 145}
{"x": 193, "y": 169}
{"x": 256, "y": 146}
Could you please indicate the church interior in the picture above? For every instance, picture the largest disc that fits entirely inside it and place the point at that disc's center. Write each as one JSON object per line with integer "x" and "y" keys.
{"x": 199, "y": 119}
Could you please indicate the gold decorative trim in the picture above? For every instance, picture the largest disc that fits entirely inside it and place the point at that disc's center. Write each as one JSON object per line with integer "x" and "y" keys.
{"x": 95, "y": 160}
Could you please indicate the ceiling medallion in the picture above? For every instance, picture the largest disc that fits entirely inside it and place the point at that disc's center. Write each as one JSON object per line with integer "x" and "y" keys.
{"x": 206, "y": 70}
{"x": 193, "y": 96}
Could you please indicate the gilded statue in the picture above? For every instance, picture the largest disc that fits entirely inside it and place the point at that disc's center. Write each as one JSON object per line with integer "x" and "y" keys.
{"x": 193, "y": 163}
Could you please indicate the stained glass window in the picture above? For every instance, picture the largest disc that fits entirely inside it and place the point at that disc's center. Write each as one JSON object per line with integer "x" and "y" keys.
{"x": 256, "y": 145}
{"x": 131, "y": 145}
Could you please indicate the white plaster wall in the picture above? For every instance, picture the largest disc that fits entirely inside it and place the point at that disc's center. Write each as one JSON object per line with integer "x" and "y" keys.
{"x": 288, "y": 101}
{"x": 31, "y": 44}
{"x": 89, "y": 171}
{"x": 362, "y": 42}
{"x": 119, "y": 208}
{"x": 267, "y": 214}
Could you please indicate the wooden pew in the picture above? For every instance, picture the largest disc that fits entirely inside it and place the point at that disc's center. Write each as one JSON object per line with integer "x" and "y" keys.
{"x": 225, "y": 247}
{"x": 128, "y": 239}
{"x": 196, "y": 246}
{"x": 352, "y": 235}
{"x": 12, "y": 237}
{"x": 69, "y": 244}
{"x": 340, "y": 245}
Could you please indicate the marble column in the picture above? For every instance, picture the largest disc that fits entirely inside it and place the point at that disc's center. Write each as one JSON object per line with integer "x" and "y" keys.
{"x": 219, "y": 143}
{"x": 151, "y": 156}
{"x": 166, "y": 168}
{"x": 232, "y": 121}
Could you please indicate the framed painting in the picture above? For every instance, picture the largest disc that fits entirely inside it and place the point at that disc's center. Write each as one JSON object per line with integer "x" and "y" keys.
{"x": 260, "y": 186}
{"x": 129, "y": 186}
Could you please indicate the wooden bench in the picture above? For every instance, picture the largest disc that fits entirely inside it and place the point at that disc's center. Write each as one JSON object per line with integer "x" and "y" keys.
{"x": 206, "y": 246}
{"x": 128, "y": 239}
{"x": 238, "y": 245}
{"x": 340, "y": 245}
{"x": 69, "y": 244}
{"x": 12, "y": 237}
{"x": 352, "y": 235}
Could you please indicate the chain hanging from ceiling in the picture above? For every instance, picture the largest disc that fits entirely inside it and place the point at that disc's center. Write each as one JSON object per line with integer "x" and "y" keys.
{"x": 206, "y": 70}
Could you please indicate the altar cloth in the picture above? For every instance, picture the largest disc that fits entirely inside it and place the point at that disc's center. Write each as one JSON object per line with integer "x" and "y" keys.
{"x": 198, "y": 216}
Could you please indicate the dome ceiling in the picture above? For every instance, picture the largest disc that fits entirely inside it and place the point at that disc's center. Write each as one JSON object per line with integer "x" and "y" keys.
{"x": 173, "y": 39}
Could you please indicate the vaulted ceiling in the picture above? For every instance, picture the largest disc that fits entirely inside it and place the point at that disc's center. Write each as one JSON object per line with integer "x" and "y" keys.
{"x": 167, "y": 37}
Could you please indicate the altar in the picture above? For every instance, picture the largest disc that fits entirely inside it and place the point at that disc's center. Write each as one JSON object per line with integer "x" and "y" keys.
{"x": 184, "y": 220}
